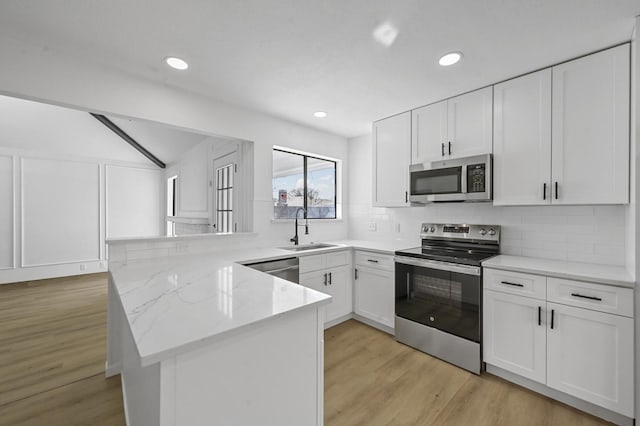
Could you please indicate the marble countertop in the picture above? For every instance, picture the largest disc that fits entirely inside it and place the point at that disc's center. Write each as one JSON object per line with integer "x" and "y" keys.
{"x": 603, "y": 274}
{"x": 177, "y": 303}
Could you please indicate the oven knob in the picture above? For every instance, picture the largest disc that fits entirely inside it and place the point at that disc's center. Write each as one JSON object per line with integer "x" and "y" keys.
{"x": 492, "y": 232}
{"x": 432, "y": 229}
{"x": 483, "y": 231}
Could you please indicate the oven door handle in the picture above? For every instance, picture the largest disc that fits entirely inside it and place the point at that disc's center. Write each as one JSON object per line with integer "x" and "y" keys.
{"x": 434, "y": 264}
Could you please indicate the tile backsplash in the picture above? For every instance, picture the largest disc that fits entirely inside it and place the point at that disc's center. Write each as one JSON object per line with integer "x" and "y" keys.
{"x": 593, "y": 234}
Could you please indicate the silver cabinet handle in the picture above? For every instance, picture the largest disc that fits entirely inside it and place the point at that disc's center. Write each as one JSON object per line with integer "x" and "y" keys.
{"x": 325, "y": 279}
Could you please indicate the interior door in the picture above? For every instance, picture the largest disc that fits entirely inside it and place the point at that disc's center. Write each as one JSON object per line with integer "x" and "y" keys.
{"x": 225, "y": 200}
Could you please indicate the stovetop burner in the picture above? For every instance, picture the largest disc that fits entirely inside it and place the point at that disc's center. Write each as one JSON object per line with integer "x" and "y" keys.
{"x": 463, "y": 243}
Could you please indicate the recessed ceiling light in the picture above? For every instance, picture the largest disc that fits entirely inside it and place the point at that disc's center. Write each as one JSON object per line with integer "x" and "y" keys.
{"x": 450, "y": 59}
{"x": 320, "y": 114}
{"x": 177, "y": 63}
{"x": 385, "y": 34}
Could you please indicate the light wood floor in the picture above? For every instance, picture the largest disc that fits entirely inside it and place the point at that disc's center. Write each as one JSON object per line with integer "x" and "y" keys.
{"x": 52, "y": 354}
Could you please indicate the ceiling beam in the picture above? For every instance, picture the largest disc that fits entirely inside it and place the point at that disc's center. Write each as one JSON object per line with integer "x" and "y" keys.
{"x": 118, "y": 131}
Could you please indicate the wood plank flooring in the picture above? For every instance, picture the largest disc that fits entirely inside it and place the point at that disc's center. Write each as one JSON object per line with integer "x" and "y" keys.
{"x": 370, "y": 379}
{"x": 52, "y": 354}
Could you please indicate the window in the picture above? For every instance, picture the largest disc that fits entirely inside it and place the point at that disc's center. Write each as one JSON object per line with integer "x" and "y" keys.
{"x": 172, "y": 199}
{"x": 224, "y": 198}
{"x": 301, "y": 180}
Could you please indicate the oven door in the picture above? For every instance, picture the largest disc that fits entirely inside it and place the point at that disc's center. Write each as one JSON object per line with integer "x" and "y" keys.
{"x": 445, "y": 296}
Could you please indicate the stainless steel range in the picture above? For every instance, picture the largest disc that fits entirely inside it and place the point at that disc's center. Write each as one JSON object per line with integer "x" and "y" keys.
{"x": 438, "y": 291}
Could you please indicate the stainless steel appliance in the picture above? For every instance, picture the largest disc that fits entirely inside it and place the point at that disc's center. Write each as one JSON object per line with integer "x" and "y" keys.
{"x": 461, "y": 179}
{"x": 438, "y": 291}
{"x": 287, "y": 269}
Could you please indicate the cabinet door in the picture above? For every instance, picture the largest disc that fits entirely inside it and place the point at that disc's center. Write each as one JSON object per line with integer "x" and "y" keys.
{"x": 429, "y": 133}
{"x": 591, "y": 129}
{"x": 391, "y": 156}
{"x": 522, "y": 140}
{"x": 514, "y": 334}
{"x": 317, "y": 280}
{"x": 374, "y": 291}
{"x": 590, "y": 356}
{"x": 339, "y": 287}
{"x": 470, "y": 123}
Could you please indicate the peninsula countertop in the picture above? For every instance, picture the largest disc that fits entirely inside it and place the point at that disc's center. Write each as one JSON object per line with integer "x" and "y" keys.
{"x": 176, "y": 303}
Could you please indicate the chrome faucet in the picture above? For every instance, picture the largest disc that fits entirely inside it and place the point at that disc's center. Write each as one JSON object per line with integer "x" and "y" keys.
{"x": 294, "y": 240}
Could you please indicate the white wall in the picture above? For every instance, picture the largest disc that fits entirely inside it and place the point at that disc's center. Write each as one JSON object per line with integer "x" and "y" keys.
{"x": 577, "y": 233}
{"x": 60, "y": 211}
{"x": 57, "y": 212}
{"x": 134, "y": 202}
{"x": 60, "y": 78}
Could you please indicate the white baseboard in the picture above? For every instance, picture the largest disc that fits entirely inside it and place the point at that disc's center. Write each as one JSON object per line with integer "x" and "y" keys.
{"x": 580, "y": 404}
{"x": 31, "y": 273}
{"x": 112, "y": 370}
{"x": 338, "y": 320}
{"x": 374, "y": 324}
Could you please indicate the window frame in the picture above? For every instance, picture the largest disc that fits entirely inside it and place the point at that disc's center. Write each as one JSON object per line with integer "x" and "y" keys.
{"x": 305, "y": 175}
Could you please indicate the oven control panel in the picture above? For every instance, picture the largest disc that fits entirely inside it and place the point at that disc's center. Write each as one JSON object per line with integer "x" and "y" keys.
{"x": 460, "y": 231}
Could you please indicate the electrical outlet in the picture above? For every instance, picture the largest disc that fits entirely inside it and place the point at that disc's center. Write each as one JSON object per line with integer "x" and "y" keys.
{"x": 83, "y": 267}
{"x": 373, "y": 226}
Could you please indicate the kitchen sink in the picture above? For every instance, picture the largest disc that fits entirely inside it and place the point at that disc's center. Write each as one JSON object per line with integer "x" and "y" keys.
{"x": 308, "y": 247}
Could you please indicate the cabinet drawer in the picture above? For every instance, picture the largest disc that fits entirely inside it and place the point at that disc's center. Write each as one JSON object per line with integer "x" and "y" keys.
{"x": 374, "y": 260}
{"x": 311, "y": 263}
{"x": 338, "y": 258}
{"x": 599, "y": 297}
{"x": 515, "y": 283}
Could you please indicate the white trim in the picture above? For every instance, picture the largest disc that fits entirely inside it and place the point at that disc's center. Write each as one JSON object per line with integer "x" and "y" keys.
{"x": 112, "y": 370}
{"x": 102, "y": 210}
{"x": 13, "y": 213}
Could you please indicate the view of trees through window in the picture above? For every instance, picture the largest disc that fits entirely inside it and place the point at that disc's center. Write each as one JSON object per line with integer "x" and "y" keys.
{"x": 303, "y": 181}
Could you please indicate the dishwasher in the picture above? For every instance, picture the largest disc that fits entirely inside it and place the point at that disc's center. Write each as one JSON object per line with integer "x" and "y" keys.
{"x": 287, "y": 269}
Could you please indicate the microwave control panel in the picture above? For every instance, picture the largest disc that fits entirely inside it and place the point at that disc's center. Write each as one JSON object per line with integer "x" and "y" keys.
{"x": 476, "y": 178}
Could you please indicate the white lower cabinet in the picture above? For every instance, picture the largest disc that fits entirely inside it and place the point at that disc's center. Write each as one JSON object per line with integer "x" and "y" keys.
{"x": 515, "y": 334}
{"x": 585, "y": 352}
{"x": 590, "y": 356}
{"x": 374, "y": 288}
{"x": 330, "y": 274}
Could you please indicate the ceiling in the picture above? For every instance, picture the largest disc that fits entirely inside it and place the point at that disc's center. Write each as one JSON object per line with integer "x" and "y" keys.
{"x": 289, "y": 58}
{"x": 38, "y": 127}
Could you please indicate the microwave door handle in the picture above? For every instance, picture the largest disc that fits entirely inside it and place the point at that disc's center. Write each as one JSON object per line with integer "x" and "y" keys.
{"x": 463, "y": 178}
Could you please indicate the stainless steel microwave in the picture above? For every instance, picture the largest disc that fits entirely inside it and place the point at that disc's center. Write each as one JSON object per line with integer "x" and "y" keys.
{"x": 461, "y": 179}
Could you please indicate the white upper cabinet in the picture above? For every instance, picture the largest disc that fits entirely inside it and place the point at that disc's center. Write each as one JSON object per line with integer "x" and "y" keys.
{"x": 522, "y": 140}
{"x": 391, "y": 156}
{"x": 590, "y": 130}
{"x": 457, "y": 127}
{"x": 428, "y": 133}
{"x": 470, "y": 123}
{"x": 561, "y": 135}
